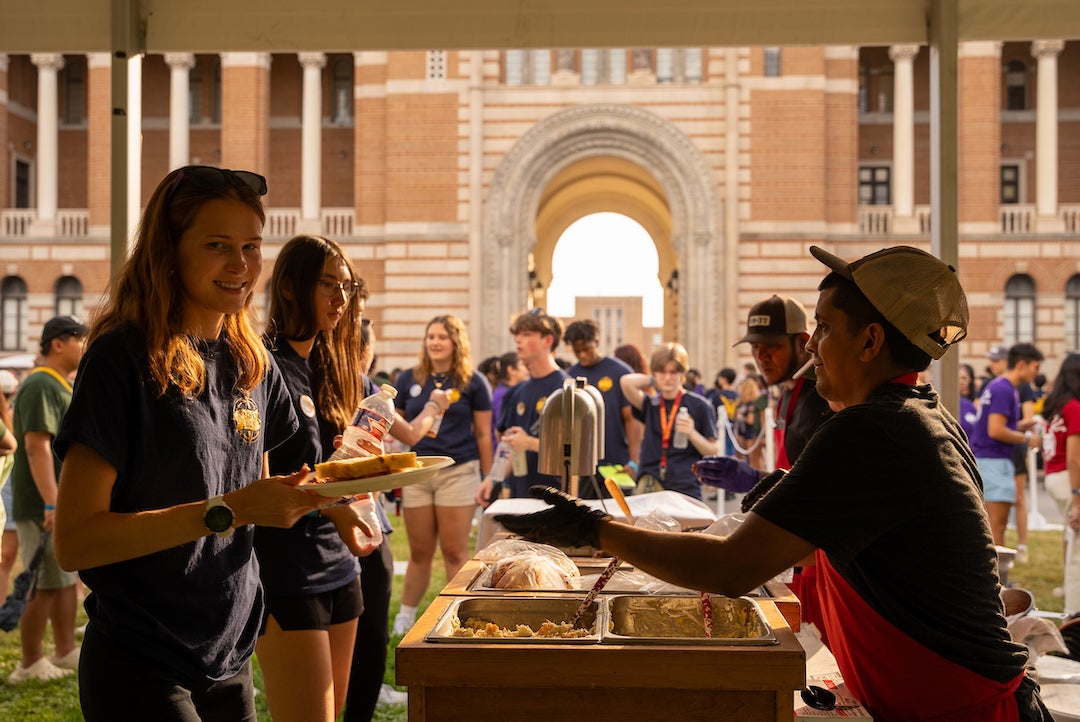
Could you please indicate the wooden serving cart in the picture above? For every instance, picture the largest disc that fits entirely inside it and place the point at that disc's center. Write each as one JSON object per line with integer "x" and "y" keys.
{"x": 618, "y": 682}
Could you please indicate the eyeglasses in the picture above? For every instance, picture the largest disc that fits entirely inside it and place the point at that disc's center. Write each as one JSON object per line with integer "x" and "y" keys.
{"x": 209, "y": 178}
{"x": 331, "y": 289}
{"x": 541, "y": 315}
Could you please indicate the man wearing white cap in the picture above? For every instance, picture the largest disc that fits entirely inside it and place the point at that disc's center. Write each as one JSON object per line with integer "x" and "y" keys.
{"x": 887, "y": 479}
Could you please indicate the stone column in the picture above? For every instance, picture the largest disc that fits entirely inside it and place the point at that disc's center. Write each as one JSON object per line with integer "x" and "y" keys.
{"x": 1047, "y": 218}
{"x": 180, "y": 65}
{"x": 48, "y": 65}
{"x": 903, "y": 171}
{"x": 311, "y": 143}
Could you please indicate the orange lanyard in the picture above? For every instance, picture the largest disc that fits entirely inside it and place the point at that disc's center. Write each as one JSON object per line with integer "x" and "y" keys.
{"x": 667, "y": 424}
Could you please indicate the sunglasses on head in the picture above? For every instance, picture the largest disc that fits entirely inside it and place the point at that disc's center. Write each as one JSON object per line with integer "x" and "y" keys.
{"x": 541, "y": 315}
{"x": 209, "y": 178}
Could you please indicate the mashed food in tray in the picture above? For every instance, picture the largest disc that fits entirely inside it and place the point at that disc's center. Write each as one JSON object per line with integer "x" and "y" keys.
{"x": 476, "y": 627}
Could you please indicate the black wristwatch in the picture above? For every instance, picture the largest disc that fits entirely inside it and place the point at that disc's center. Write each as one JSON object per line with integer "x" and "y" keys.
{"x": 218, "y": 517}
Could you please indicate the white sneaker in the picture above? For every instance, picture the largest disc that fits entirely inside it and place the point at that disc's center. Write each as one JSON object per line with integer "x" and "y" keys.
{"x": 42, "y": 670}
{"x": 389, "y": 695}
{"x": 402, "y": 623}
{"x": 68, "y": 661}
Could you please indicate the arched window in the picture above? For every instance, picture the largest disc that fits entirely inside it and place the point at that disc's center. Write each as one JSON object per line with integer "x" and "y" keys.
{"x": 1019, "y": 309}
{"x": 12, "y": 313}
{"x": 74, "y": 90}
{"x": 1016, "y": 85}
{"x": 1072, "y": 314}
{"x": 342, "y": 91}
{"x": 69, "y": 297}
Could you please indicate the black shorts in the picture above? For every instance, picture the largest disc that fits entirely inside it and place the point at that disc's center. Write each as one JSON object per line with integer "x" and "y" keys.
{"x": 296, "y": 612}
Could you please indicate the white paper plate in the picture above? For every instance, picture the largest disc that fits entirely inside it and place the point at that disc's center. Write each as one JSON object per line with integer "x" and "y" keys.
{"x": 430, "y": 466}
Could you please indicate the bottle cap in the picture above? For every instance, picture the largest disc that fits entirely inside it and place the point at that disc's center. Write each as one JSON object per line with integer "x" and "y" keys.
{"x": 389, "y": 390}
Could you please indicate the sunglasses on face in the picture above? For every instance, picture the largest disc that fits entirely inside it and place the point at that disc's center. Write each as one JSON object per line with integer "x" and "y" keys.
{"x": 209, "y": 178}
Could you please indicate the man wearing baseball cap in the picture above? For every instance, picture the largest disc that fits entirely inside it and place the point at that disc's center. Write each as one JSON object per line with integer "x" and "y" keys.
{"x": 39, "y": 408}
{"x": 886, "y": 496}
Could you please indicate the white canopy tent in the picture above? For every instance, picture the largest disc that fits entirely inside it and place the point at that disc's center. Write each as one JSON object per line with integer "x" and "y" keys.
{"x": 128, "y": 27}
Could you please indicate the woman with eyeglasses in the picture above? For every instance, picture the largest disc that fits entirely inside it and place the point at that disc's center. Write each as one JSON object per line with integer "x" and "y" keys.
{"x": 440, "y": 511}
{"x": 164, "y": 475}
{"x": 310, "y": 571}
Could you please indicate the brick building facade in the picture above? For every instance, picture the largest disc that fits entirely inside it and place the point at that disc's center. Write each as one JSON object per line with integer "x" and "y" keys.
{"x": 450, "y": 175}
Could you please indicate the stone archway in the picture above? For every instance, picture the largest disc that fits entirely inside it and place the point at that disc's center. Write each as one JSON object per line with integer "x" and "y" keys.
{"x": 636, "y": 137}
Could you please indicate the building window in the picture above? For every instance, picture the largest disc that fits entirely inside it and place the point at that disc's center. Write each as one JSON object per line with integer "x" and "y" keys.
{"x": 74, "y": 90}
{"x": 1019, "y": 309}
{"x": 692, "y": 60}
{"x": 342, "y": 91}
{"x": 69, "y": 297}
{"x": 22, "y": 184}
{"x": 1072, "y": 314}
{"x": 215, "y": 91}
{"x": 875, "y": 185}
{"x": 527, "y": 67}
{"x": 772, "y": 62}
{"x": 1016, "y": 85}
{"x": 12, "y": 312}
{"x": 1010, "y": 183}
{"x": 195, "y": 93}
{"x": 436, "y": 65}
{"x": 615, "y": 69}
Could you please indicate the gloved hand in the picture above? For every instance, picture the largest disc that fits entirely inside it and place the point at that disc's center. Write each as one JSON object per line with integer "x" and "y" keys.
{"x": 726, "y": 473}
{"x": 569, "y": 523}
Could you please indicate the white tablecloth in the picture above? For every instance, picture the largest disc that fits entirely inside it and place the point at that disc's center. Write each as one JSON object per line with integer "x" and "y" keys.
{"x": 689, "y": 512}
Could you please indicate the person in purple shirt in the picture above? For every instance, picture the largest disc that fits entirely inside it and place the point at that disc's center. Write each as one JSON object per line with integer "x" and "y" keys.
{"x": 998, "y": 428}
{"x": 511, "y": 373}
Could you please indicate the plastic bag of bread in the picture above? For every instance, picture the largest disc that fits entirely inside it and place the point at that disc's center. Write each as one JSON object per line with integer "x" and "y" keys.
{"x": 520, "y": 565}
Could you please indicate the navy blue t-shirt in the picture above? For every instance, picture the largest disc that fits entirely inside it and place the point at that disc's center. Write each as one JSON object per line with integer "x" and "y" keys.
{"x": 310, "y": 557}
{"x": 605, "y": 377}
{"x": 195, "y": 608}
{"x": 678, "y": 476}
{"x": 456, "y": 437}
{"x": 522, "y": 407}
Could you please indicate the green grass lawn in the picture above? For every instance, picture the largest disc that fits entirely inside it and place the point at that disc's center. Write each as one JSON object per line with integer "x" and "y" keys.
{"x": 59, "y": 701}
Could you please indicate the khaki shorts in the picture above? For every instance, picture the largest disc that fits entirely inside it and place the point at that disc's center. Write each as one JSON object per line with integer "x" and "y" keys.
{"x": 453, "y": 486}
{"x": 51, "y": 575}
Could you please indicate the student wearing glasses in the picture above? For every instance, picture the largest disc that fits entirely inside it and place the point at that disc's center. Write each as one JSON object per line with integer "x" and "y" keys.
{"x": 164, "y": 476}
{"x": 310, "y": 571}
{"x": 536, "y": 336}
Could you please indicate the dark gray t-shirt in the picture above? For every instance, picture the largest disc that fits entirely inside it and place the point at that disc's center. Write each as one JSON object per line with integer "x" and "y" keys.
{"x": 889, "y": 490}
{"x": 194, "y": 608}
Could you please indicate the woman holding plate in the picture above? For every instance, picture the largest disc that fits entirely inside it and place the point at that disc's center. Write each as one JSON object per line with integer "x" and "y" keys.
{"x": 310, "y": 571}
{"x": 440, "y": 511}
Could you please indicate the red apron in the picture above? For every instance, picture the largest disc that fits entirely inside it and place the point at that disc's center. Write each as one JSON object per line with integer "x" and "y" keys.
{"x": 896, "y": 678}
{"x": 803, "y": 581}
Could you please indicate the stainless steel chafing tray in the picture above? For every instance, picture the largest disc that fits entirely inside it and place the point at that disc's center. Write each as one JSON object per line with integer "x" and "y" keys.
{"x": 509, "y": 612}
{"x": 638, "y": 619}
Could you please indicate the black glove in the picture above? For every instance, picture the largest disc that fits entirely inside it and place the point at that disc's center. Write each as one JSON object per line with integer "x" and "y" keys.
{"x": 569, "y": 523}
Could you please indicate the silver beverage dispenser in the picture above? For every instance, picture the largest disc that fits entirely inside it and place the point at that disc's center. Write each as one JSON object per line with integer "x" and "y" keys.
{"x": 571, "y": 432}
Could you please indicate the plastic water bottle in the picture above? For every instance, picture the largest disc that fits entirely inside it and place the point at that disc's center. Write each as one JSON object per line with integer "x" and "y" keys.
{"x": 436, "y": 424}
{"x": 679, "y": 440}
{"x": 501, "y": 464}
{"x": 374, "y": 416}
{"x": 519, "y": 464}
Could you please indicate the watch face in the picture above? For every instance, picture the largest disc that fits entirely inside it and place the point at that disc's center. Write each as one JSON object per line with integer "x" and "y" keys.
{"x": 218, "y": 518}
